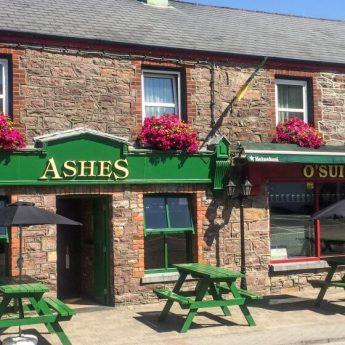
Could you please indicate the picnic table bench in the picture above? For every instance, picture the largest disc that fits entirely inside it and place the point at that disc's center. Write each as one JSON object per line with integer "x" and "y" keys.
{"x": 23, "y": 304}
{"x": 213, "y": 281}
{"x": 333, "y": 262}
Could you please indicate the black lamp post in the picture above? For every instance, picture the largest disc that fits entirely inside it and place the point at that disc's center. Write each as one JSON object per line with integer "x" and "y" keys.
{"x": 245, "y": 192}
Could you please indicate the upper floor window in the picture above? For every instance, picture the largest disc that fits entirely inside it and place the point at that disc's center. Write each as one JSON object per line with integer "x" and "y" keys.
{"x": 291, "y": 99}
{"x": 161, "y": 93}
{"x": 4, "y": 92}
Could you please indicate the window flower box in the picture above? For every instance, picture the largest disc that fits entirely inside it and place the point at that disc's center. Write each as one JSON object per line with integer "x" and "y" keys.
{"x": 10, "y": 139}
{"x": 168, "y": 132}
{"x": 296, "y": 131}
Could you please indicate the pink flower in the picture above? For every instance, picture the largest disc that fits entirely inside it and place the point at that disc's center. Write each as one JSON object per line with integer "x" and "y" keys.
{"x": 167, "y": 132}
{"x": 296, "y": 131}
{"x": 10, "y": 139}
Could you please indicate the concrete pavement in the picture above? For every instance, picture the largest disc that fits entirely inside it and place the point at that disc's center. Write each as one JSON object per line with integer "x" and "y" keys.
{"x": 281, "y": 320}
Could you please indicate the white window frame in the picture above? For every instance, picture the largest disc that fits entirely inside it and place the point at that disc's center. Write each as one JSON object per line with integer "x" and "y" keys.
{"x": 302, "y": 83}
{"x": 5, "y": 95}
{"x": 175, "y": 76}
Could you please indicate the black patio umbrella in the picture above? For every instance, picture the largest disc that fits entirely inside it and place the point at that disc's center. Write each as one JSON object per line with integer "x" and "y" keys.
{"x": 336, "y": 210}
{"x": 22, "y": 213}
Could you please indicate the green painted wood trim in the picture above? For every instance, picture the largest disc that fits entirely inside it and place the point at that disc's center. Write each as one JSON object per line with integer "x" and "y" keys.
{"x": 222, "y": 168}
{"x": 78, "y": 161}
{"x": 291, "y": 153}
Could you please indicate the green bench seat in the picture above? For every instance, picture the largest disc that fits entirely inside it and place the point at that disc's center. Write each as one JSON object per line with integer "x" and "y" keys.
{"x": 244, "y": 293}
{"x": 172, "y": 296}
{"x": 338, "y": 283}
{"x": 60, "y": 307}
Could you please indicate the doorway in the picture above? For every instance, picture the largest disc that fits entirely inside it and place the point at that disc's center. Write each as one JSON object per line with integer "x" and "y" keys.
{"x": 83, "y": 252}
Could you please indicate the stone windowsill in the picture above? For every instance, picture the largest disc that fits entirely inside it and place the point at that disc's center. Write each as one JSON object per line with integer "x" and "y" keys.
{"x": 298, "y": 266}
{"x": 161, "y": 278}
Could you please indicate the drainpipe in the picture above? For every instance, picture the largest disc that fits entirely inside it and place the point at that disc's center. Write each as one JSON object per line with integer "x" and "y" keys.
{"x": 213, "y": 103}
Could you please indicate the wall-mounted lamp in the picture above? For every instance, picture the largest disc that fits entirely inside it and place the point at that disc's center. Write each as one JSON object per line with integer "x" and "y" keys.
{"x": 246, "y": 189}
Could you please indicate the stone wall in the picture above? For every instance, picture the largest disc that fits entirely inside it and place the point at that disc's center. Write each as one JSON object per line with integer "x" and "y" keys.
{"x": 216, "y": 241}
{"x": 56, "y": 91}
{"x": 60, "y": 91}
{"x": 66, "y": 91}
{"x": 332, "y": 86}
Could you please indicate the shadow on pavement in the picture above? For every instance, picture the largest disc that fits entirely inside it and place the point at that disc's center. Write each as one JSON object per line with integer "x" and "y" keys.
{"x": 286, "y": 303}
{"x": 174, "y": 322}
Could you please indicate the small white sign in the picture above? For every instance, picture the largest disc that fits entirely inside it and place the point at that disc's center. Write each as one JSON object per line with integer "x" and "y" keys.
{"x": 278, "y": 253}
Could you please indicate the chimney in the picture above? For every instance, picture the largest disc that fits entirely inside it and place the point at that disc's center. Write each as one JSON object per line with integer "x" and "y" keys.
{"x": 158, "y": 3}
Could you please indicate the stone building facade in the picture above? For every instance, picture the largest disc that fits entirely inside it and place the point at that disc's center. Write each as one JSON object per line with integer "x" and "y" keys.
{"x": 58, "y": 87}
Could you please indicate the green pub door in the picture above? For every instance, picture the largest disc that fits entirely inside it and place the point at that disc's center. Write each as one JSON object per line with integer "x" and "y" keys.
{"x": 101, "y": 250}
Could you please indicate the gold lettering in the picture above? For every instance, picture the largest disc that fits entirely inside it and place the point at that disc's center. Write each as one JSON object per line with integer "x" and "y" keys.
{"x": 323, "y": 171}
{"x": 332, "y": 170}
{"x": 84, "y": 167}
{"x": 69, "y": 166}
{"x": 308, "y": 171}
{"x": 341, "y": 171}
{"x": 51, "y": 168}
{"x": 121, "y": 165}
{"x": 104, "y": 168}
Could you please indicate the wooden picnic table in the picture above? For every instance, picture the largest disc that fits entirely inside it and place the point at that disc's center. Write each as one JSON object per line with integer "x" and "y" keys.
{"x": 333, "y": 262}
{"x": 213, "y": 281}
{"x": 23, "y": 304}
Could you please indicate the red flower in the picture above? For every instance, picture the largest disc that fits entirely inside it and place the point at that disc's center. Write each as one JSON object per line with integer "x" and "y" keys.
{"x": 296, "y": 131}
{"x": 10, "y": 139}
{"x": 167, "y": 132}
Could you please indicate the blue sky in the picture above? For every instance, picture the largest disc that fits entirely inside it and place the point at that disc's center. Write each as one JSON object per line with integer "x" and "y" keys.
{"x": 334, "y": 9}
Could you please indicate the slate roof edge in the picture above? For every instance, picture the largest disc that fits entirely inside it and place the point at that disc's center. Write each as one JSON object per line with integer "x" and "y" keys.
{"x": 171, "y": 50}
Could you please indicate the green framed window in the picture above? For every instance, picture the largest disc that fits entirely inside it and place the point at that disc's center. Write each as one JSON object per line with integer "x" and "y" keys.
{"x": 4, "y": 245}
{"x": 168, "y": 232}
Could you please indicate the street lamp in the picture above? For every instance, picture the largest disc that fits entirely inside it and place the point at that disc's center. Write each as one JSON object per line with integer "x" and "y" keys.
{"x": 246, "y": 188}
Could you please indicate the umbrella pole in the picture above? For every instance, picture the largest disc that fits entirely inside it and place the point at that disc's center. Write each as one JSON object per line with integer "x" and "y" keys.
{"x": 20, "y": 266}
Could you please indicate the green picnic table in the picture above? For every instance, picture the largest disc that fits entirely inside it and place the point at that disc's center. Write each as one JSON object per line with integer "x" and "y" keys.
{"x": 23, "y": 304}
{"x": 333, "y": 263}
{"x": 213, "y": 281}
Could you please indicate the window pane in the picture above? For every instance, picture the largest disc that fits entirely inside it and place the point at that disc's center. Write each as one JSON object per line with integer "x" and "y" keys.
{"x": 155, "y": 213}
{"x": 283, "y": 115}
{"x": 159, "y": 89}
{"x": 3, "y": 229}
{"x": 154, "y": 252}
{"x": 332, "y": 231}
{"x": 155, "y": 111}
{"x": 178, "y": 249}
{"x": 1, "y": 79}
{"x": 292, "y": 232}
{"x": 179, "y": 212}
{"x": 290, "y": 96}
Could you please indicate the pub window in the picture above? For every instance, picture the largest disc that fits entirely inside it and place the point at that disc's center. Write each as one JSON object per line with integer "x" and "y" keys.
{"x": 332, "y": 231}
{"x": 4, "y": 89}
{"x": 292, "y": 232}
{"x": 168, "y": 232}
{"x": 291, "y": 99}
{"x": 4, "y": 245}
{"x": 161, "y": 93}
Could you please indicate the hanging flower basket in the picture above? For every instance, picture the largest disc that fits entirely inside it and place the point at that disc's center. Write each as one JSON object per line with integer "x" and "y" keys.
{"x": 10, "y": 139}
{"x": 296, "y": 131}
{"x": 168, "y": 132}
